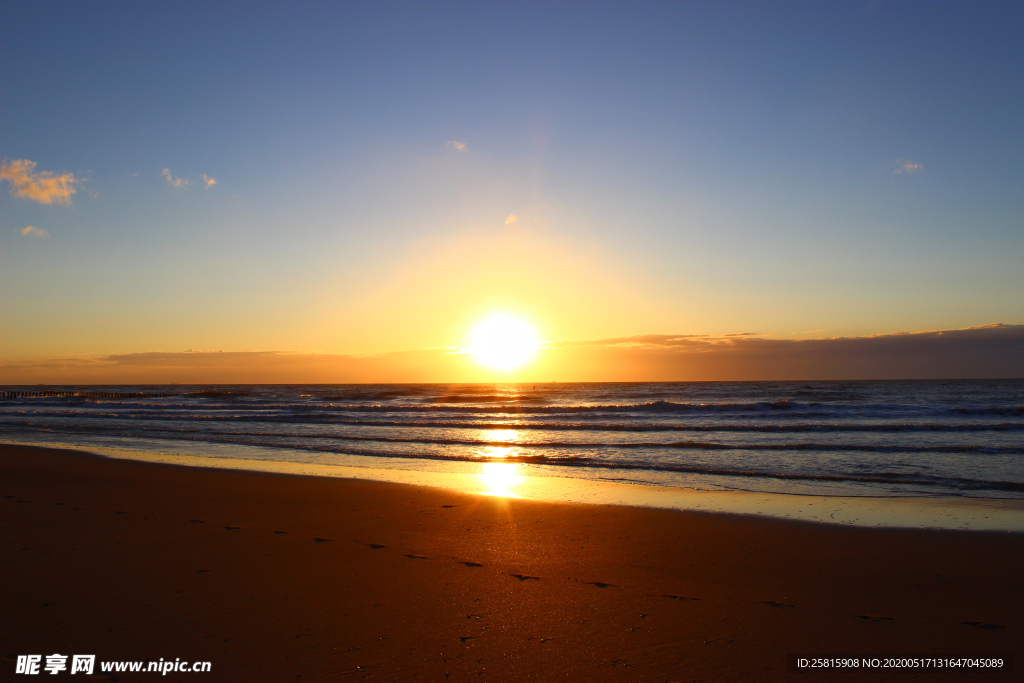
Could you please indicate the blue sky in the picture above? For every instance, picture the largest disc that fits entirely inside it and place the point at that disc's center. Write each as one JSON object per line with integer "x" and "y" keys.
{"x": 789, "y": 169}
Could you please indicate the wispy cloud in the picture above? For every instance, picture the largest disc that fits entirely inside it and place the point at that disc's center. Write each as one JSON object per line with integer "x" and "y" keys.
{"x": 177, "y": 183}
{"x": 208, "y": 181}
{"x": 986, "y": 351}
{"x": 907, "y": 166}
{"x": 512, "y": 218}
{"x": 43, "y": 187}
{"x": 461, "y": 146}
{"x": 640, "y": 340}
{"x": 29, "y": 230}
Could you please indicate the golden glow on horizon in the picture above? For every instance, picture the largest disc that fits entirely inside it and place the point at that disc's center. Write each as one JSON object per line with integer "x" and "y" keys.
{"x": 499, "y": 477}
{"x": 503, "y": 342}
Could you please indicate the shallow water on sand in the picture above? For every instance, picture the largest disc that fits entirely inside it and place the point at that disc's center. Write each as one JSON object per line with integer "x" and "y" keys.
{"x": 876, "y": 439}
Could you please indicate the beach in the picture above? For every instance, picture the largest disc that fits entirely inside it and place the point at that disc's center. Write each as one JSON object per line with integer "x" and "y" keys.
{"x": 639, "y": 342}
{"x": 272, "y": 577}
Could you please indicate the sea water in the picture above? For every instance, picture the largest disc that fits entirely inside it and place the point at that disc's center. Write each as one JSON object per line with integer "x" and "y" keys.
{"x": 961, "y": 439}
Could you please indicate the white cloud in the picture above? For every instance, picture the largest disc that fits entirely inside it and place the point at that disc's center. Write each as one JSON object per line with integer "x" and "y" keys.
{"x": 461, "y": 146}
{"x": 208, "y": 181}
{"x": 177, "y": 183}
{"x": 42, "y": 187}
{"x": 512, "y": 218}
{"x": 907, "y": 166}
{"x": 29, "y": 230}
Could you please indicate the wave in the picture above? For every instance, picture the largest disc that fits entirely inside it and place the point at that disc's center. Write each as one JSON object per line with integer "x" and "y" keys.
{"x": 457, "y": 405}
{"x": 165, "y": 414}
{"x": 504, "y": 443}
{"x": 991, "y": 410}
{"x": 691, "y": 445}
{"x": 206, "y": 399}
{"x": 217, "y": 393}
{"x": 650, "y": 407}
{"x": 433, "y": 402}
{"x": 769, "y": 428}
{"x": 890, "y": 478}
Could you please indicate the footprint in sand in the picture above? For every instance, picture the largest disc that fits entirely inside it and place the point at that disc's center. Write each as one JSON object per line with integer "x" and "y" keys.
{"x": 471, "y": 564}
{"x": 772, "y": 603}
{"x": 417, "y": 557}
{"x": 321, "y": 540}
{"x": 204, "y": 571}
{"x": 232, "y": 528}
{"x": 983, "y": 624}
{"x": 280, "y": 532}
{"x": 600, "y": 584}
{"x": 524, "y": 577}
{"x": 679, "y": 597}
{"x": 197, "y": 521}
{"x": 870, "y": 617}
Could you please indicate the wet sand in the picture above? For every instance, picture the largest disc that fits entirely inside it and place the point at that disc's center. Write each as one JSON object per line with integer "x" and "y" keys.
{"x": 516, "y": 481}
{"x": 273, "y": 577}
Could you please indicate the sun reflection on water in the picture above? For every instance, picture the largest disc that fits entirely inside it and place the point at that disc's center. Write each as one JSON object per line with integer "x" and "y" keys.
{"x": 509, "y": 436}
{"x": 503, "y": 435}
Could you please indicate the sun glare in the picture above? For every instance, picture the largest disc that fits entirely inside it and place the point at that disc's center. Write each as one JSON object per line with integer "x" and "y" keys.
{"x": 503, "y": 342}
{"x": 499, "y": 478}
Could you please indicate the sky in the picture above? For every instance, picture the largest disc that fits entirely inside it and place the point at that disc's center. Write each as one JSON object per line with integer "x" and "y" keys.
{"x": 369, "y": 180}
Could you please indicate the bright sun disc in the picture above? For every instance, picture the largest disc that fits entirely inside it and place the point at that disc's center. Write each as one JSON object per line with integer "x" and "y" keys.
{"x": 503, "y": 342}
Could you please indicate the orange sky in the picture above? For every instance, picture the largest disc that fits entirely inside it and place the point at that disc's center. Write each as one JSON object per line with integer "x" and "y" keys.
{"x": 987, "y": 352}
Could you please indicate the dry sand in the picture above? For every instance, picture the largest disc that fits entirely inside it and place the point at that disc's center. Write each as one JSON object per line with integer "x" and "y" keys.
{"x": 282, "y": 578}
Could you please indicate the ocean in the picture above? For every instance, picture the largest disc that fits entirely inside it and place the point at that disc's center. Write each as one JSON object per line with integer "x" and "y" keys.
{"x": 834, "y": 438}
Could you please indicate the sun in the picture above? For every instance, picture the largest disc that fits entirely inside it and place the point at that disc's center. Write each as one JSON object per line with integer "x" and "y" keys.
{"x": 503, "y": 342}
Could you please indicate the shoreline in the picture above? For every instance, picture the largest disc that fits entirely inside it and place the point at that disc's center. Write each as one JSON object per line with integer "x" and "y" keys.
{"x": 275, "y": 578}
{"x": 498, "y": 479}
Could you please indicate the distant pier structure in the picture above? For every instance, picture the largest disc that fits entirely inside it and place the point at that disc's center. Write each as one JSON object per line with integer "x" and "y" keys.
{"x": 85, "y": 393}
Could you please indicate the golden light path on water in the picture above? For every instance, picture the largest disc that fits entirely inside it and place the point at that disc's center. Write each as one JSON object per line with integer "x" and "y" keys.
{"x": 499, "y": 478}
